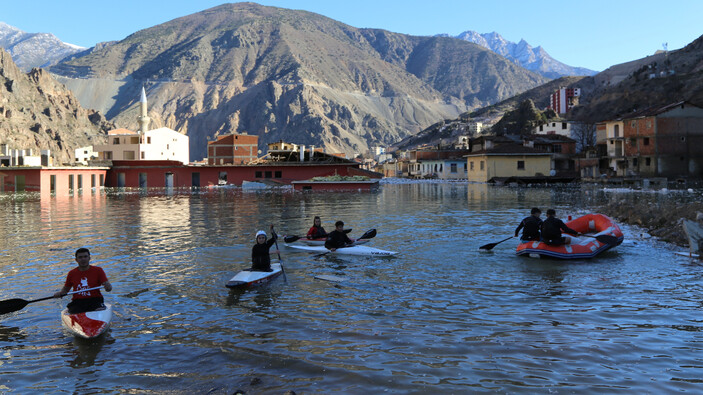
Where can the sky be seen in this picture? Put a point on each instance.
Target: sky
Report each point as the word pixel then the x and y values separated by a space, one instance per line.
pixel 594 34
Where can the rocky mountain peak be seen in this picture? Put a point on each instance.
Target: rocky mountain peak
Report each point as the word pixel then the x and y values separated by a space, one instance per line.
pixel 34 49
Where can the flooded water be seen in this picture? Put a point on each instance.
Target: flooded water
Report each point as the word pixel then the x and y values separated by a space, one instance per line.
pixel 441 317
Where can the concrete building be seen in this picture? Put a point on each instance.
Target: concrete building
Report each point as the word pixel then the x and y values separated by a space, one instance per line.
pixel 84 154
pixel 564 99
pixel 157 144
pixel 232 149
pixel 563 128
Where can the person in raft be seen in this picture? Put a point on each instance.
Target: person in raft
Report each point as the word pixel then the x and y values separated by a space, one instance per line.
pixel 531 226
pixel 260 258
pixel 337 238
pixel 83 277
pixel 552 228
pixel 316 231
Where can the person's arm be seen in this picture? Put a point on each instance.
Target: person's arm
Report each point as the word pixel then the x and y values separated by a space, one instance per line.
pixel 522 224
pixel 311 232
pixel 62 292
pixel 568 230
pixel 107 286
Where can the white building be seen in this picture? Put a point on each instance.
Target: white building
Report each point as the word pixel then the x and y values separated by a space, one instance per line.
pixel 157 144
pixel 475 128
pixel 84 154
pixel 563 128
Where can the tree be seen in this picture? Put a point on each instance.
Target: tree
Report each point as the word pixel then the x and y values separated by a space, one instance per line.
pixel 584 134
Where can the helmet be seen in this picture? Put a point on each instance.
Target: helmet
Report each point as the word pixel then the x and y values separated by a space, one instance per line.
pixel 259 233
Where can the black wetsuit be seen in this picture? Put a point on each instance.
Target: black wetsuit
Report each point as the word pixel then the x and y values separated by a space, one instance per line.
pixel 337 239
pixel 551 231
pixel 532 226
pixel 260 258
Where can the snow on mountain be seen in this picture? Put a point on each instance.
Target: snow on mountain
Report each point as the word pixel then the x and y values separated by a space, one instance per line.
pixel 30 50
pixel 522 53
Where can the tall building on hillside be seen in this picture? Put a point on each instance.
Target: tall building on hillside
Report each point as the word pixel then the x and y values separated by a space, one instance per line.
pixel 564 99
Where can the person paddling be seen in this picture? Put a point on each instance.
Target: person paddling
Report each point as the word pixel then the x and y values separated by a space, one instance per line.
pixel 552 228
pixel 83 277
pixel 337 238
pixel 260 258
pixel 316 231
pixel 532 225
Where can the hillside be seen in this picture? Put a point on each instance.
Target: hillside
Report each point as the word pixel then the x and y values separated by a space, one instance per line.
pixel 292 75
pixel 39 113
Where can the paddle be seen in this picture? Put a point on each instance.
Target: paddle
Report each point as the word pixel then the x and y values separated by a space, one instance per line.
pixel 490 246
pixel 369 234
pixel 275 240
pixel 291 239
pixel 11 305
pixel 605 239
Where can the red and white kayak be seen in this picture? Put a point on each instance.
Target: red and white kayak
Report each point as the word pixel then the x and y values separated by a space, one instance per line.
pixel 248 278
pixel 353 250
pixel 580 247
pixel 89 324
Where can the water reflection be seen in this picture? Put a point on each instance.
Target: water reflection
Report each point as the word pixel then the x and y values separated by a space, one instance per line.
pixel 82 353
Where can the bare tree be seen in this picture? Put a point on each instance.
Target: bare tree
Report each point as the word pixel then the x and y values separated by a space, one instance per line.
pixel 584 134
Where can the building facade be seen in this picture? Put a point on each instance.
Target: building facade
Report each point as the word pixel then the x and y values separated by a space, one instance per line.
pixel 157 144
pixel 564 99
pixel 232 149
pixel 507 161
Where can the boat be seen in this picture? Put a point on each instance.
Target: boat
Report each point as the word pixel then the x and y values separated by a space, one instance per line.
pixel 248 278
pixel 321 241
pixel 595 227
pixel 87 325
pixel 353 250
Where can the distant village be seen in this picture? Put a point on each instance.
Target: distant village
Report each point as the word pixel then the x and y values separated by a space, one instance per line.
pixel 654 144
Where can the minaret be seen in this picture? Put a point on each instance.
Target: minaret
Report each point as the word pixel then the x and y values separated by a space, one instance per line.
pixel 143 118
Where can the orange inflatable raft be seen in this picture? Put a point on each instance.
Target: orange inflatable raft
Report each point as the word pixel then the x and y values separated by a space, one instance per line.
pixel 581 247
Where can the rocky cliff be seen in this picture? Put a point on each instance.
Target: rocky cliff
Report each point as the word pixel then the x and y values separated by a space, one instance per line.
pixel 291 75
pixel 39 113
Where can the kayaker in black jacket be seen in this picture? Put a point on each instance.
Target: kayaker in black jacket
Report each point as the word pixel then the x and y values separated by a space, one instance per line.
pixel 337 238
pixel 260 258
pixel 552 228
pixel 532 224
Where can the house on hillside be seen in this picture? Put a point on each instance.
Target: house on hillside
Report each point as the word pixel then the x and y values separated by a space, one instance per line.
pixel 562 148
pixel 663 141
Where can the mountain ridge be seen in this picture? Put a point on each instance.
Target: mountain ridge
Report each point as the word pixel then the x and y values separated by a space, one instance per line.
pixel 31 50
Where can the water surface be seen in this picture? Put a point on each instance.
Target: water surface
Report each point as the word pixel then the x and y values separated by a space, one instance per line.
pixel 441 317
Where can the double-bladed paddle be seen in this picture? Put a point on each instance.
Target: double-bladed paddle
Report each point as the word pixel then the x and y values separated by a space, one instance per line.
pixel 11 305
pixel 490 246
pixel 605 239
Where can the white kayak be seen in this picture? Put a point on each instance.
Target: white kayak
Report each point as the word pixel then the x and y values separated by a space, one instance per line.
pixel 89 324
pixel 248 278
pixel 353 250
pixel 321 242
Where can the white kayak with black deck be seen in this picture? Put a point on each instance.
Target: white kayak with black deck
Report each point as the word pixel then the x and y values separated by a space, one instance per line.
pixel 249 278
pixel 89 324
pixel 353 250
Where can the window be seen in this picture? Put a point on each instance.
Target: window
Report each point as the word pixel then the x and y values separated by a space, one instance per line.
pixel 116 141
pixel 633 141
pixel 541 128
pixel 556 148
pixel 277 174
pixel 257 174
pixel 134 140
pixel 92 180
pixel 634 162
pixel 143 155
pixel 521 165
pixel 464 167
pixel 129 155
pixel 616 131
pixel 70 182
pixel 267 174
pixel 645 141
pixel 148 140
pixel 481 165
pixel 52 183
pixel 647 161
pixel 471 165
pixel 563 125
pixel 107 155
pixel 452 168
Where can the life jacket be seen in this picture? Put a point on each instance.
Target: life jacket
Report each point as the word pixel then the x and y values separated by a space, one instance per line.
pixel 531 228
pixel 551 229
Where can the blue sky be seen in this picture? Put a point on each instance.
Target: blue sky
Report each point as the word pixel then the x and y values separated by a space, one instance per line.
pixel 594 34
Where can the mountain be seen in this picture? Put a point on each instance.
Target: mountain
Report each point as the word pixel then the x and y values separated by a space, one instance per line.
pixel 522 53
pixel 39 113
pixel 291 75
pixel 30 50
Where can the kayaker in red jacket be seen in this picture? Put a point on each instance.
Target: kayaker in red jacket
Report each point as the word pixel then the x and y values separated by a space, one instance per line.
pixel 316 231
pixel 552 228
pixel 83 277
pixel 337 238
